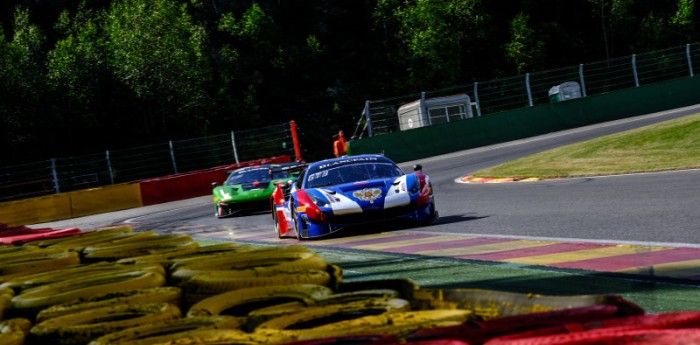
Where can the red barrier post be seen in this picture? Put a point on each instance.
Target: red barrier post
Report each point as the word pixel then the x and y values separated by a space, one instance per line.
pixel 295 137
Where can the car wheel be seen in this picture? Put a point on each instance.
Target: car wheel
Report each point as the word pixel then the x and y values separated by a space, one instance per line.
pixel 277 223
pixel 220 212
pixel 434 215
pixel 295 218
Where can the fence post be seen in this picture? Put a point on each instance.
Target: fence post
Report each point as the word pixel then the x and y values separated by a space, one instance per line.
pixel 369 119
pixel 476 99
pixel 295 138
pixel 690 59
pixel 54 174
pixel 634 70
pixel 233 143
pixel 583 81
pixel 172 156
pixel 109 167
pixel 423 109
pixel 527 87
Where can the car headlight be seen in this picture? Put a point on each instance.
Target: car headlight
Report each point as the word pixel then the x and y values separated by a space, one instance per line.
pixel 319 201
pixel 225 196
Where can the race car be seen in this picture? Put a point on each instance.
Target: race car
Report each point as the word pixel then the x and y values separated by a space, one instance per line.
pixel 343 192
pixel 250 188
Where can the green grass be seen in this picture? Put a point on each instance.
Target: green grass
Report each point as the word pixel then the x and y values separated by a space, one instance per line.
pixel 670 145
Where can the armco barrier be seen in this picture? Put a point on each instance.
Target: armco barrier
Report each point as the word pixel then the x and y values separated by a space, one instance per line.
pixel 190 185
pixel 527 122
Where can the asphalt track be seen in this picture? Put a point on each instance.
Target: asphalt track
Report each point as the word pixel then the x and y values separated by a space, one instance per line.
pixel 631 235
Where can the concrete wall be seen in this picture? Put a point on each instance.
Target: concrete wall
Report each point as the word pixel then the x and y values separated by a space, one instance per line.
pixel 118 197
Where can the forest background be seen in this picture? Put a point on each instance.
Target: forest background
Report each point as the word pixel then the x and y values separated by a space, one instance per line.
pixel 83 76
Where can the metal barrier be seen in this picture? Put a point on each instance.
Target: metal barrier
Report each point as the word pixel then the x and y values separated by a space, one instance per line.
pixel 381 116
pixel 118 166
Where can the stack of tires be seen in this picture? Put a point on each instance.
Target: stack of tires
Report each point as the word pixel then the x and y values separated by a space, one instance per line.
pixel 117 286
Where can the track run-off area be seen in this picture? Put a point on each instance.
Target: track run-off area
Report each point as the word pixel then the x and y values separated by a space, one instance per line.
pixel 634 235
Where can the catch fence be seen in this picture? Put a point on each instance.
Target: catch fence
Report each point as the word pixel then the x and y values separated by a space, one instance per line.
pixel 531 89
pixel 67 174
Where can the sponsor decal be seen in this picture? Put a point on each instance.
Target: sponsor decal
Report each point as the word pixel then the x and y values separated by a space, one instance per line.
pixel 346 161
pixel 301 209
pixel 368 194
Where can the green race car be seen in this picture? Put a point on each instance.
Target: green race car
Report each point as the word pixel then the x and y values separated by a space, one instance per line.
pixel 250 188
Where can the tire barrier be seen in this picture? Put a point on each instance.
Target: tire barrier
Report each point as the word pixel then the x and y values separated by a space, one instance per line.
pixel 24 281
pixel 14 331
pixel 307 294
pixel 166 294
pixel 35 299
pixel 139 288
pixel 148 245
pixel 84 326
pixel 171 329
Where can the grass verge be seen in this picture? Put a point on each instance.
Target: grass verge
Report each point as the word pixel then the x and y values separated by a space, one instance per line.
pixel 670 145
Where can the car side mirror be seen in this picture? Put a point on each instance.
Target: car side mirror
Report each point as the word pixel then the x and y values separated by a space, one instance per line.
pixel 418 167
pixel 214 184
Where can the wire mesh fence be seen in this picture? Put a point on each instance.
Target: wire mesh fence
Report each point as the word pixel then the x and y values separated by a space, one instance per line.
pixel 67 174
pixel 488 97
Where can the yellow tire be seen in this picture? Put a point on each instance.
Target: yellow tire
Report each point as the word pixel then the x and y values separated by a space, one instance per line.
pixel 41 264
pixel 144 246
pixel 399 324
pixel 27 281
pixel 165 294
pixel 82 327
pixel 251 265
pixel 12 249
pixel 34 299
pixel 237 255
pixel 260 315
pixel 156 331
pixel 24 255
pixel 212 337
pixel 320 315
pixel 79 241
pixel 14 331
pixel 169 258
pixel 218 283
pixel 258 296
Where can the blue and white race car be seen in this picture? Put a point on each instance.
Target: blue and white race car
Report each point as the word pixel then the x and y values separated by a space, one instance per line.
pixel 337 193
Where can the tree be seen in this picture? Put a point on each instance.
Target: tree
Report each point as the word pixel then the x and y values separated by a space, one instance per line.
pixel 78 74
pixel 524 50
pixel 160 55
pixel 22 88
pixel 438 37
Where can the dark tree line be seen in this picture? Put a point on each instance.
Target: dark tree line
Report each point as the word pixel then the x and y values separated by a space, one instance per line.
pixel 79 77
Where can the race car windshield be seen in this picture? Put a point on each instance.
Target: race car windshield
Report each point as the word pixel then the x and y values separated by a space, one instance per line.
pixel 248 176
pixel 352 173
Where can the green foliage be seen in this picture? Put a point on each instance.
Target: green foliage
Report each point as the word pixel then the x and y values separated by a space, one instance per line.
pixel 76 74
pixel 524 50
pixel 159 54
pixel 21 85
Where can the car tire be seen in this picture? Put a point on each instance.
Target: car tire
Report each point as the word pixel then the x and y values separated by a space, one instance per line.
pixel 277 223
pixel 295 219
pixel 220 212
